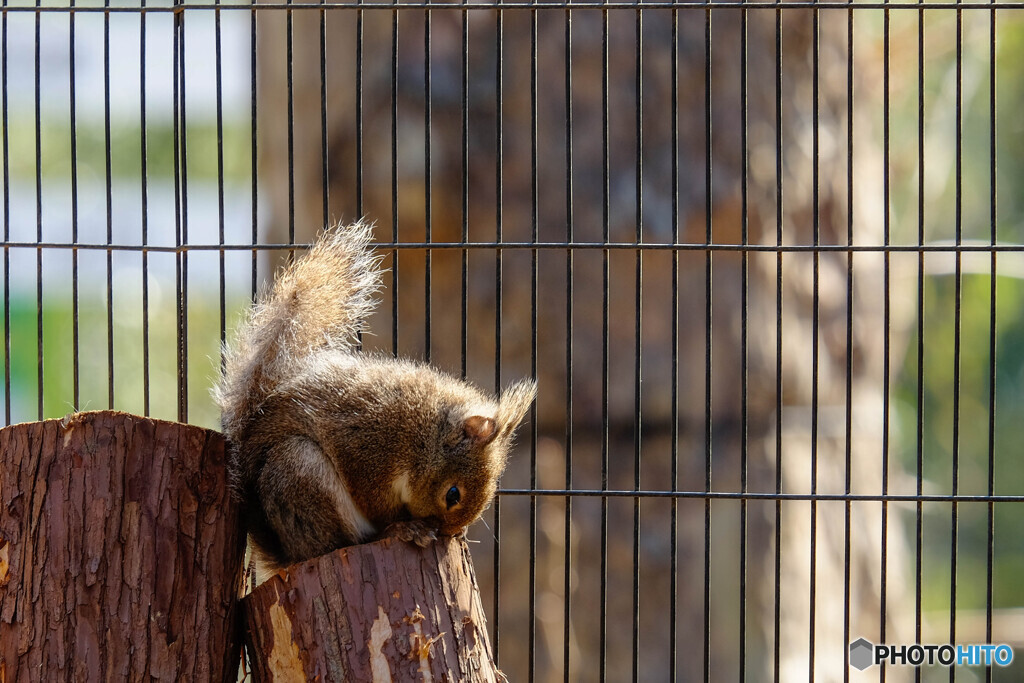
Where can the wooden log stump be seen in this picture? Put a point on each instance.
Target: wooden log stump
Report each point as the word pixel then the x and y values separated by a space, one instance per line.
pixel 120 552
pixel 383 611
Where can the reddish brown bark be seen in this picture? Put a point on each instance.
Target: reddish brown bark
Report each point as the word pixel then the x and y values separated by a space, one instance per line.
pixel 381 611
pixel 120 552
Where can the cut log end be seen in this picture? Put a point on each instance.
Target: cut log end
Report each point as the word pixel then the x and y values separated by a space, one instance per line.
pixel 383 611
pixel 120 551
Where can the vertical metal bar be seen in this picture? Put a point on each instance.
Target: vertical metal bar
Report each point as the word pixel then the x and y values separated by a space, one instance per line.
pixel 108 179
pixel 394 182
pixel 144 217
pixel 6 215
pixel 253 194
pixel 993 223
pixel 777 616
pixel 534 219
pixel 848 398
pixel 72 118
pixel 674 512
pixel 290 81
pixel 359 119
pixel 815 326
pixel 886 317
pixel 39 217
pixel 427 203
pixel 569 292
pixel 605 331
pixel 181 212
pixel 638 366
pixel 957 336
pixel 218 74
pixel 253 151
pixel 325 161
pixel 498 185
pixel 919 436
pixel 358 124
pixel 708 274
pixel 744 302
pixel 176 48
pixel 464 107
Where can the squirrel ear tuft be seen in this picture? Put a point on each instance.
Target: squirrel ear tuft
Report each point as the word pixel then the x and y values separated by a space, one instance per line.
pixel 514 403
pixel 479 429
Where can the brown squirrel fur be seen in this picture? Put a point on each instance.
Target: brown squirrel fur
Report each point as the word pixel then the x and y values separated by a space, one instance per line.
pixel 331 446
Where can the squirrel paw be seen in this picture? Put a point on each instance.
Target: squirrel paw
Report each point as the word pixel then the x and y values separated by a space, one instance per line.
pixel 412 531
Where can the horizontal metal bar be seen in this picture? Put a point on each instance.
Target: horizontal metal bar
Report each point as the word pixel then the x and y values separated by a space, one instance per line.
pixel 500 5
pixel 750 496
pixel 942 248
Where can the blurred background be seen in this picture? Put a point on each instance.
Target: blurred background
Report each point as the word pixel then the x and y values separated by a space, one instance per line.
pixel 145 153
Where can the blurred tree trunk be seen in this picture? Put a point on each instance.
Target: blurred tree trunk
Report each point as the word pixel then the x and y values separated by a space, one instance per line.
pixel 775 141
pixel 120 552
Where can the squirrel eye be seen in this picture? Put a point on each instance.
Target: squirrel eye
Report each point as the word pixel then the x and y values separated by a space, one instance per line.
pixel 453 497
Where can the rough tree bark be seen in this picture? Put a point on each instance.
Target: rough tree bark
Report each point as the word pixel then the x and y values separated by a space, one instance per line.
pixel 120 552
pixel 381 611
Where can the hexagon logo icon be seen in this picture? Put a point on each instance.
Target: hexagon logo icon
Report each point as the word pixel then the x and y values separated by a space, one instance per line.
pixel 861 654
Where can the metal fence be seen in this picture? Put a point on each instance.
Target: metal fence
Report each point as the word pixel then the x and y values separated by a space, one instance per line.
pixel 764 260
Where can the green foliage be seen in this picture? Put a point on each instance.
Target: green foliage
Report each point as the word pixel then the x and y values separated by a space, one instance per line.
pixel 126 155
pixel 955 374
pixel 131 370
pixel 965 406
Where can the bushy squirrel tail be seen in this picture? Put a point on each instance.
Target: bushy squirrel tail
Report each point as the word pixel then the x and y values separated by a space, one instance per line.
pixel 319 301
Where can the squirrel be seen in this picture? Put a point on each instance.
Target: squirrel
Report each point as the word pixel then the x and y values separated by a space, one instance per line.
pixel 331 446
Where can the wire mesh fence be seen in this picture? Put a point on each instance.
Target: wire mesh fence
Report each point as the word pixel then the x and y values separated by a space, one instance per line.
pixel 764 260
